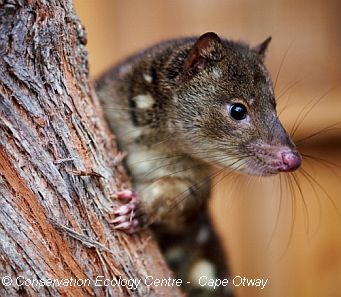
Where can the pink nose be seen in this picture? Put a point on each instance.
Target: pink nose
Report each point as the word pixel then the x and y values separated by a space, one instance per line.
pixel 291 160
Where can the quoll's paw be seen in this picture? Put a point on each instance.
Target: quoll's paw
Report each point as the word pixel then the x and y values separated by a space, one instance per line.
pixel 127 215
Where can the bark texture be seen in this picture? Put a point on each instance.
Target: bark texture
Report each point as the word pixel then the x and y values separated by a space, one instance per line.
pixel 59 165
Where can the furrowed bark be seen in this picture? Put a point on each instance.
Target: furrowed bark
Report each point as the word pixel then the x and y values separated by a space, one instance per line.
pixel 59 165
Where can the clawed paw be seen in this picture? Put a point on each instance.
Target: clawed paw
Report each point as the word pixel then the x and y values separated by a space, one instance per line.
pixel 126 215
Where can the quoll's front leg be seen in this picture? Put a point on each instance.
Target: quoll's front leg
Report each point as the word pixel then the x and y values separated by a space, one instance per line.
pixel 129 217
pixel 167 201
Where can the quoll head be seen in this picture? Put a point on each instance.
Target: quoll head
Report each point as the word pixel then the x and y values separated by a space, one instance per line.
pixel 226 110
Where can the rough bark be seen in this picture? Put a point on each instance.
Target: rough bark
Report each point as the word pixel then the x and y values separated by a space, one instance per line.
pixel 59 165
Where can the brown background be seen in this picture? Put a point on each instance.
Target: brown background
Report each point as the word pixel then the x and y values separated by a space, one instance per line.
pixel 269 231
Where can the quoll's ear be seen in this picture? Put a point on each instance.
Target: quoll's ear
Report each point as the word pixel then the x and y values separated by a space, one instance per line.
pixel 207 48
pixel 261 48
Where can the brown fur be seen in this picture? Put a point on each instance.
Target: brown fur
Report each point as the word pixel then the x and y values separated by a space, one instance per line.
pixel 168 106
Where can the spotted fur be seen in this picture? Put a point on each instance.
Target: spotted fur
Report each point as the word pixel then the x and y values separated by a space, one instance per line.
pixel 168 106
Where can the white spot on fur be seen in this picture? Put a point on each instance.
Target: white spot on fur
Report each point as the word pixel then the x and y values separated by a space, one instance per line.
pixel 156 191
pixel 144 101
pixel 147 164
pixel 216 73
pixel 200 268
pixel 133 133
pixel 138 161
pixel 147 78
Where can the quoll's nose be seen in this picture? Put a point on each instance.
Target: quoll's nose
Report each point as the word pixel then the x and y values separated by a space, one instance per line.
pixel 291 160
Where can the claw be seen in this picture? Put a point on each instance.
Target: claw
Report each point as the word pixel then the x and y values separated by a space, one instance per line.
pixel 124 209
pixel 129 227
pixel 125 194
pixel 123 225
pixel 121 219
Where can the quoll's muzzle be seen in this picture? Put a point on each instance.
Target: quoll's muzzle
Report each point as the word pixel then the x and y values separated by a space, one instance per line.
pixel 290 160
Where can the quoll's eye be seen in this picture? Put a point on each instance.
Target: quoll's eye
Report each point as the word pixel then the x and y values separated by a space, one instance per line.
pixel 238 111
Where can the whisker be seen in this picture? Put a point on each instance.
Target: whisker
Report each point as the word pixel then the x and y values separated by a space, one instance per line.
pixel 303 200
pixel 213 161
pixel 188 168
pixel 310 105
pixel 286 89
pixel 231 171
pixel 323 130
pixel 278 212
pixel 292 195
pixel 330 165
pixel 282 63
pixel 316 194
pixel 322 189
pixel 200 183
pixel 162 156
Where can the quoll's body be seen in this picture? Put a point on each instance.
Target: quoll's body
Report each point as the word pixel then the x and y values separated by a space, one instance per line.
pixel 183 106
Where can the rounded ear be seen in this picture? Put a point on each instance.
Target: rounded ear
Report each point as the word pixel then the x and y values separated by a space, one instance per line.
pixel 261 48
pixel 206 48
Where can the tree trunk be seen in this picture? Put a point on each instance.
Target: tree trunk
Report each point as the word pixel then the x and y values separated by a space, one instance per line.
pixel 60 168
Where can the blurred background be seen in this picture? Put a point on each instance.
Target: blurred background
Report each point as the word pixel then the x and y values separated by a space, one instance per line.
pixel 270 227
